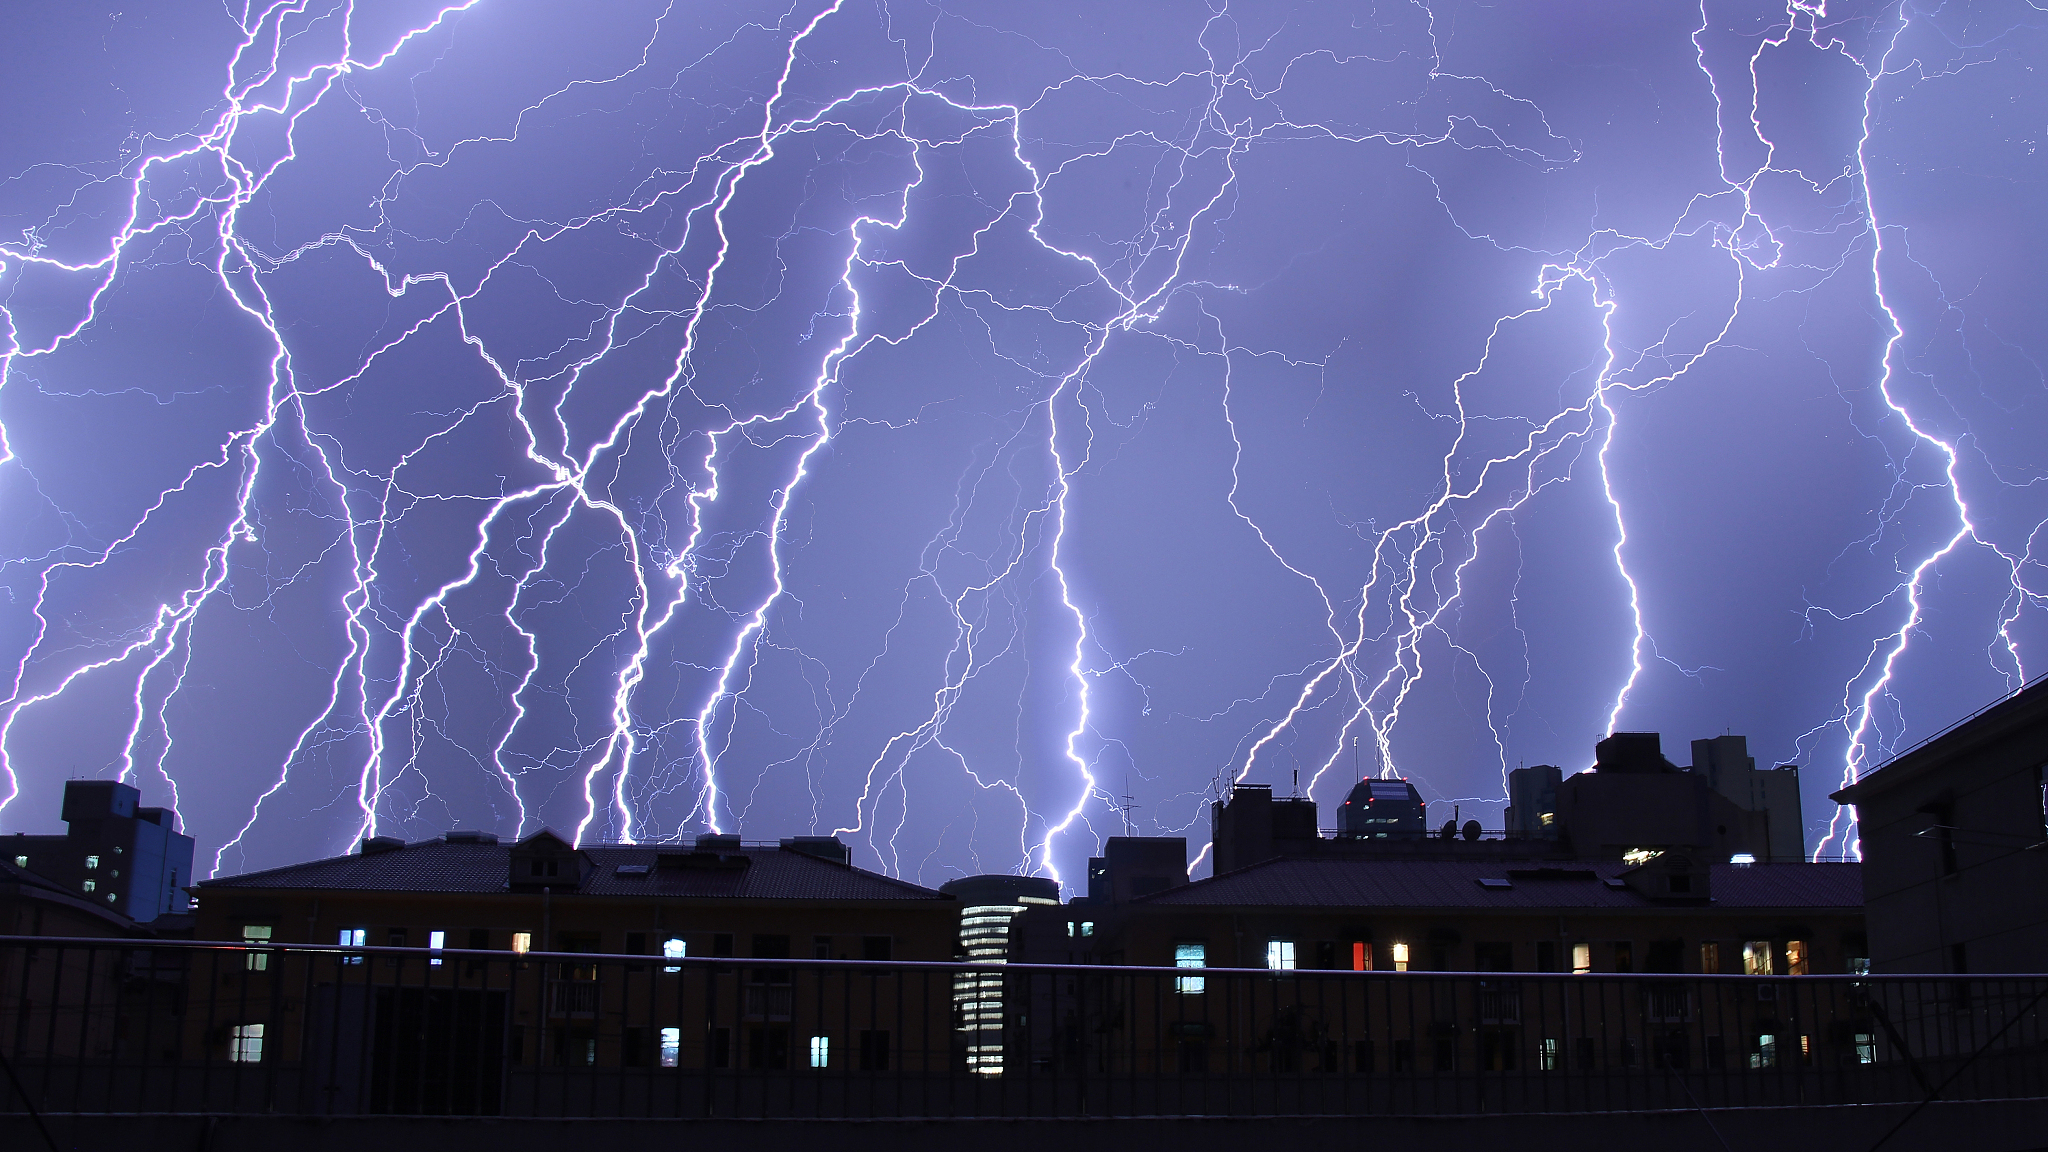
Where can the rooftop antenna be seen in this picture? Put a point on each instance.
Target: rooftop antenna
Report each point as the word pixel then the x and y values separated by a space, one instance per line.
pixel 1354 756
pixel 1128 804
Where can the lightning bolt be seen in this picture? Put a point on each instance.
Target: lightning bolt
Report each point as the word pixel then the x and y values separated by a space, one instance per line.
pixel 603 620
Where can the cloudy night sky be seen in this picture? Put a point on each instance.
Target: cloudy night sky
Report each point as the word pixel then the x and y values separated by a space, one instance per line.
pixel 976 428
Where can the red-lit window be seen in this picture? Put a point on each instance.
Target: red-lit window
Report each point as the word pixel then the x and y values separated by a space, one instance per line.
pixel 1361 956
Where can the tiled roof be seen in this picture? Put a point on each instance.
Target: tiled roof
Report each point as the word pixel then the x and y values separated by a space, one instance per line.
pixel 438 866
pixel 1455 884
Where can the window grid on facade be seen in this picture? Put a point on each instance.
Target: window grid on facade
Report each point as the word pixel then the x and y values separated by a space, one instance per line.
pixel 978 996
pixel 353 938
pixel 821 1051
pixel 1190 954
pixel 245 1044
pixel 256 961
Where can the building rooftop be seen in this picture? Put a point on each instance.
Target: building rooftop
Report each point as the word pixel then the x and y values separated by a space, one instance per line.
pixel 768 873
pixel 1546 884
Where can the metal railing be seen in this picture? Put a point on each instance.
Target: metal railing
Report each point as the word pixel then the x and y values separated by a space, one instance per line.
pixel 100 1026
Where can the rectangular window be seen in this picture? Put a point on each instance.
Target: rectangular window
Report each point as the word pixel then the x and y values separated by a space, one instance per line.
pixel 1765 1054
pixel 1546 1054
pixel 91 862
pixel 1795 957
pixel 256 961
pixel 874 1051
pixel 1087 927
pixel 1190 954
pixel 821 947
pixel 522 942
pixel 876 947
pixel 671 1047
pixel 821 1051
pixel 1859 965
pixel 353 938
pixel 1756 958
pixel 245 1044
pixel 1546 955
pixel 1361 956
pixel 1280 955
pixel 1710 956
pixel 1866 1048
pixel 1582 958
pixel 674 948
pixel 1624 956
pixel 1400 957
pixel 1326 954
pixel 90 885
pixel 436 940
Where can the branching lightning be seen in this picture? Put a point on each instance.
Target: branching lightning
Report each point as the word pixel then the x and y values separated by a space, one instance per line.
pixel 769 452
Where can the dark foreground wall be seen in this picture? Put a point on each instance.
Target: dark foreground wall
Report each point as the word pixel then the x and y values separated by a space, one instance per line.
pixel 1996 1126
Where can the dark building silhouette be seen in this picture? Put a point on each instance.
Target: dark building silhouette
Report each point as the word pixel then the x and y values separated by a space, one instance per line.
pixel 1774 792
pixel 716 898
pixel 1634 801
pixel 1955 845
pixel 1532 802
pixel 1383 810
pixel 1132 866
pixel 132 860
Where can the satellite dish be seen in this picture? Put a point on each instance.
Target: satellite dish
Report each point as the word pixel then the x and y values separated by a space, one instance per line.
pixel 1450 830
pixel 1471 829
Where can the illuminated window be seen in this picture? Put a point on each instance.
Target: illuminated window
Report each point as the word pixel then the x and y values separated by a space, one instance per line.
pixel 1361 956
pixel 436 940
pixel 110 897
pixel 1866 1048
pixel 674 948
pixel 1546 1054
pixel 1765 1054
pixel 353 938
pixel 1795 957
pixel 1582 958
pixel 1710 956
pixel 89 885
pixel 671 1047
pixel 1190 954
pixel 821 1051
pixel 522 942
pixel 91 862
pixel 1859 965
pixel 21 861
pixel 257 961
pixel 1756 958
pixel 1400 957
pixel 1742 859
pixel 1635 856
pixel 245 1043
pixel 1280 955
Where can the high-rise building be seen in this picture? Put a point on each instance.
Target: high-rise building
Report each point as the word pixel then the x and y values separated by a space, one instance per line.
pixel 989 912
pixel 131 859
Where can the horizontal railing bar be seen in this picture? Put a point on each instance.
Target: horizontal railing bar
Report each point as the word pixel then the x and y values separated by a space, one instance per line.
pixel 239 946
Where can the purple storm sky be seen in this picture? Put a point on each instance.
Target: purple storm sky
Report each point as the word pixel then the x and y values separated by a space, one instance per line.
pixel 971 427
